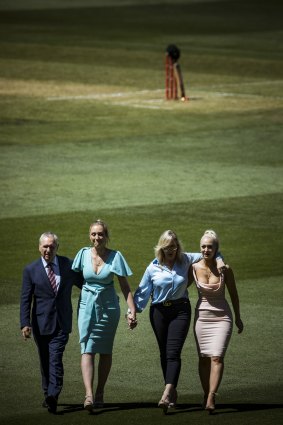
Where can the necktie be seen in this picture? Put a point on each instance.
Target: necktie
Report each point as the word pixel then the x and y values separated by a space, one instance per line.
pixel 52 278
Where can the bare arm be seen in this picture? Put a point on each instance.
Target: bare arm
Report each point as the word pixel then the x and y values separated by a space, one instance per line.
pixel 190 276
pixel 126 290
pixel 220 263
pixel 232 288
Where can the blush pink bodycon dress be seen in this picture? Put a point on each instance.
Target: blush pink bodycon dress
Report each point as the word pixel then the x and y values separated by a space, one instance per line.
pixel 213 319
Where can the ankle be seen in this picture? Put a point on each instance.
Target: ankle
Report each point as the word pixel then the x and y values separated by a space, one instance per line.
pixel 165 395
pixel 99 396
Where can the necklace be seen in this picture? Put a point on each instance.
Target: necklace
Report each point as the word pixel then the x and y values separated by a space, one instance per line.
pixel 208 272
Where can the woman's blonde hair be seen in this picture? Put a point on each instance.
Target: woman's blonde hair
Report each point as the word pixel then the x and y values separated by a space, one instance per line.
pixel 213 235
pixel 164 241
pixel 105 228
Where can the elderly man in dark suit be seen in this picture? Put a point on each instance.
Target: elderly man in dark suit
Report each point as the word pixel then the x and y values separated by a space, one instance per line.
pixel 46 311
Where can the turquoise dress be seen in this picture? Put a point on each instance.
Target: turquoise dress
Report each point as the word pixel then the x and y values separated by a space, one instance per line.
pixel 98 309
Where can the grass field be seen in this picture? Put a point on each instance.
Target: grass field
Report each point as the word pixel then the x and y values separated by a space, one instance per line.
pixel 86 132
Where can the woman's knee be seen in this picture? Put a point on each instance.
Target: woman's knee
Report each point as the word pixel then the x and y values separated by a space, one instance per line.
pixel 217 360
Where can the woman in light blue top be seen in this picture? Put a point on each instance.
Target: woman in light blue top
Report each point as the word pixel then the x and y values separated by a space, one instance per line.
pixel 165 281
pixel 98 310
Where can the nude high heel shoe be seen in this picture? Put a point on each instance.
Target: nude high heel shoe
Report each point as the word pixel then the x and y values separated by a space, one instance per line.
pixel 173 399
pixel 164 402
pixel 204 401
pixel 88 403
pixel 210 405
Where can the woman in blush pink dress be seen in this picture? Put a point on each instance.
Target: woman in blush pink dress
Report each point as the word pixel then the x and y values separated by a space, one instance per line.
pixel 213 318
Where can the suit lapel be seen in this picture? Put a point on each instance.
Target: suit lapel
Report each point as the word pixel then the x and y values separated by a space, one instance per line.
pixel 61 271
pixel 46 278
pixel 43 275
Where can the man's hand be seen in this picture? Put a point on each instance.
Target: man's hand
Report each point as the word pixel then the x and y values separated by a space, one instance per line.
pixel 26 332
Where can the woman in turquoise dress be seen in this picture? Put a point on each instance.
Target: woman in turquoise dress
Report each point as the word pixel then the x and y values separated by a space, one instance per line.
pixel 99 310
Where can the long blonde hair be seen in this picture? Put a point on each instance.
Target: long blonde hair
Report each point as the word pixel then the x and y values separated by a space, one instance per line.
pixel 165 239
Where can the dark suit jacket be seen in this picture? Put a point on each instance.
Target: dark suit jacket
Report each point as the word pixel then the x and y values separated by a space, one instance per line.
pixel 48 309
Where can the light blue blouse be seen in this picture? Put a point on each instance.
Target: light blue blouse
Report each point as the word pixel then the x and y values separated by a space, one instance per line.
pixel 163 284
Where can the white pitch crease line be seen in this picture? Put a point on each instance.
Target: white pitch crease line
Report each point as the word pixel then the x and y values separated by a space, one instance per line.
pixel 138 96
pixel 143 105
pixel 244 95
pixel 103 95
pixel 253 83
pixel 135 105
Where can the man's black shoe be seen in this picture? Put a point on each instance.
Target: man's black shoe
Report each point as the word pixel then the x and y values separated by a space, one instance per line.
pixel 51 402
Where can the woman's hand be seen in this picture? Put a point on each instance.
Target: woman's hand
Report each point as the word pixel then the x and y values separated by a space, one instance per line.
pixel 132 321
pixel 222 268
pixel 239 325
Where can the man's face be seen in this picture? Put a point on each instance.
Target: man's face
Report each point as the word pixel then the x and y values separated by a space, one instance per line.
pixel 48 249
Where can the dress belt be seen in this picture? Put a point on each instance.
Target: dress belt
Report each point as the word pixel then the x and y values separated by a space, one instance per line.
pixel 169 303
pixel 93 312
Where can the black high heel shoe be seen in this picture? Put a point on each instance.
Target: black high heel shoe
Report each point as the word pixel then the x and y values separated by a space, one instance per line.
pixel 98 401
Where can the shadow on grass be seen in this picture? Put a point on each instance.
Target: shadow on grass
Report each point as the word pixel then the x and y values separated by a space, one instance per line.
pixel 108 407
pixel 222 409
pixel 181 408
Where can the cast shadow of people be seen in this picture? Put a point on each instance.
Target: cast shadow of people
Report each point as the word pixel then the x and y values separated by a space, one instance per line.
pixel 221 409
pixel 227 408
pixel 108 407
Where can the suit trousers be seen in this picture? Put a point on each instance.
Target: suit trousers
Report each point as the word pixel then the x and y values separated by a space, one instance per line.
pixel 171 325
pixel 50 350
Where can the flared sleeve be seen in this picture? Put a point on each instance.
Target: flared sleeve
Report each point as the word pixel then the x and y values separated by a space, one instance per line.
pixel 78 262
pixel 119 265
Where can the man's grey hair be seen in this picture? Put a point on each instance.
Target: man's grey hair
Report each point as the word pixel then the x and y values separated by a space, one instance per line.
pixel 49 235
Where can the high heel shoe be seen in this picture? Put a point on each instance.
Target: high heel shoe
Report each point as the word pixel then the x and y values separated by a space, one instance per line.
pixel 164 402
pixel 210 406
pixel 173 399
pixel 204 401
pixel 98 401
pixel 88 403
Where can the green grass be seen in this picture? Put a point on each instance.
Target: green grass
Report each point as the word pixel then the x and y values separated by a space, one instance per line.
pixel 85 132
pixel 244 228
pixel 249 388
